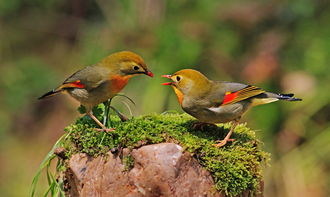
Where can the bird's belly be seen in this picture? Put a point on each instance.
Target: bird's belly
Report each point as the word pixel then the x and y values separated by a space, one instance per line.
pixel 80 95
pixel 93 97
pixel 220 114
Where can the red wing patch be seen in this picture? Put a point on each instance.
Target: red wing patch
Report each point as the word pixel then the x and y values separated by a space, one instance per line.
pixel 229 97
pixel 75 84
pixel 245 93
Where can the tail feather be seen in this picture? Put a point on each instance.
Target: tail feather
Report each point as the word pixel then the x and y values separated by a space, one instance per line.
pixel 269 97
pixel 288 97
pixel 50 93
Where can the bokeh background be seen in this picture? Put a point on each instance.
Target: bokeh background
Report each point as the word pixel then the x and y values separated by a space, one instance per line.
pixel 282 46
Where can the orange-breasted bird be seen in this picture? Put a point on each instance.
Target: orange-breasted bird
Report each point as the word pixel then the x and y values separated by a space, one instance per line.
pixel 218 101
pixel 99 82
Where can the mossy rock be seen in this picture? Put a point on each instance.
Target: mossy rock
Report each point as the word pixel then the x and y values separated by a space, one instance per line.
pixel 236 167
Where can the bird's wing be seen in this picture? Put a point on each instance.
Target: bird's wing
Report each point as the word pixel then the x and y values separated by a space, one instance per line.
pixel 235 92
pixel 232 95
pixel 88 78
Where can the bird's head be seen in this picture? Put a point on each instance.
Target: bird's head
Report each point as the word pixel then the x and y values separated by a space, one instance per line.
pixel 126 63
pixel 188 82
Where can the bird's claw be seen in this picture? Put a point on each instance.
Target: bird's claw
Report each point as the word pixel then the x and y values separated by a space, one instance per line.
pixel 221 143
pixel 107 130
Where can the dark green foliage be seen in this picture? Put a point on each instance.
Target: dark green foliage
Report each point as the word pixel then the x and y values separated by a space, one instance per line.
pixel 235 167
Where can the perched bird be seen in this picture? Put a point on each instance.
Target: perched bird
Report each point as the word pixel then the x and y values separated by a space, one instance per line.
pixel 98 83
pixel 218 101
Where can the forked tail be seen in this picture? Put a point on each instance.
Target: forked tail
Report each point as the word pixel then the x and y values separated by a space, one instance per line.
pixel 50 93
pixel 269 97
pixel 64 86
pixel 288 97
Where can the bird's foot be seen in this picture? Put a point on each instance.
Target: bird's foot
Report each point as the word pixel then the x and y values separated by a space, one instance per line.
pixel 107 130
pixel 202 125
pixel 223 142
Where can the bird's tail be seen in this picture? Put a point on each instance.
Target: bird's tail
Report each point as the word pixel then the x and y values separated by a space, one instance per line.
pixel 50 93
pixel 269 97
pixel 288 97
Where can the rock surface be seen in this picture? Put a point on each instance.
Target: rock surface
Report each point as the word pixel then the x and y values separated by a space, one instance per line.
pixel 159 170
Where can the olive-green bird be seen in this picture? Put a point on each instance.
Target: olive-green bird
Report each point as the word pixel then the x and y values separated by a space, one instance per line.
pixel 98 83
pixel 218 101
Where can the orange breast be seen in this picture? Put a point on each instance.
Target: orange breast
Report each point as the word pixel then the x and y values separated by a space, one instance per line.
pixel 118 83
pixel 178 94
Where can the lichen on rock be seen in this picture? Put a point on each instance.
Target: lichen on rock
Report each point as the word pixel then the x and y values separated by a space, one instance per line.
pixel 235 168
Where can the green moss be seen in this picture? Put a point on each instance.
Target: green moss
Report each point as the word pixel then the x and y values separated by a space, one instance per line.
pixel 235 167
pixel 128 162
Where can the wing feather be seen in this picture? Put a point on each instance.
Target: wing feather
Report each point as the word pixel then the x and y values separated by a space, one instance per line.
pixel 91 77
pixel 242 94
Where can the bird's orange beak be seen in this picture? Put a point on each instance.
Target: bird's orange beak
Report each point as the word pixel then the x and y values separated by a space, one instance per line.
pixel 168 77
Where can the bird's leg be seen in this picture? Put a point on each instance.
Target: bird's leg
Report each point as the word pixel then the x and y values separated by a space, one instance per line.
pixel 106 112
pixel 104 128
pixel 227 138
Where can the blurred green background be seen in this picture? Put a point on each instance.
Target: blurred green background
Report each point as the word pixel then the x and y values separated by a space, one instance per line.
pixel 282 46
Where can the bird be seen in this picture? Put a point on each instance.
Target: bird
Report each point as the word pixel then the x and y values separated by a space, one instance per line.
pixel 212 102
pixel 100 82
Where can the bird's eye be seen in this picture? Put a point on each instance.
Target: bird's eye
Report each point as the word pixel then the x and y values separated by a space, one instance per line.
pixel 136 68
pixel 178 78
